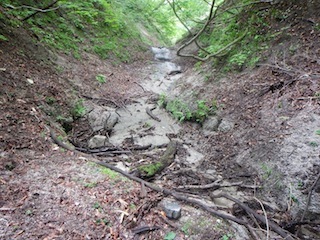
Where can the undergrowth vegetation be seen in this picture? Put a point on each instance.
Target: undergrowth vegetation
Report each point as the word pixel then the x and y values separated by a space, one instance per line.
pixel 182 112
pixel 111 28
pixel 107 28
pixel 243 19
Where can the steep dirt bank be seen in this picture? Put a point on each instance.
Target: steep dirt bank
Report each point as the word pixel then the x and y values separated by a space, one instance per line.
pixel 272 114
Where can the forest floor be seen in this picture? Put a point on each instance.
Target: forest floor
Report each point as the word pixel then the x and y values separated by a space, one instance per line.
pixel 50 193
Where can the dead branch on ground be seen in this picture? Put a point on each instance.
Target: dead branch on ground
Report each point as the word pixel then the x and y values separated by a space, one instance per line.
pixel 149 112
pixel 275 227
pixel 112 149
pixel 214 185
pixel 151 169
pixel 313 186
pixel 265 216
pixel 173 194
pixel 103 100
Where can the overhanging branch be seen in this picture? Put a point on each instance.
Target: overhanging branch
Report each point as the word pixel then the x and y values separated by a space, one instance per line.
pixel 212 15
pixel 37 10
pixel 173 6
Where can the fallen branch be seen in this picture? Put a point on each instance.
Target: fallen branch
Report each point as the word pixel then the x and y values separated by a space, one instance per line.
pixel 112 153
pixel 151 169
pixel 180 197
pixel 144 229
pixel 309 197
pixel 174 72
pixel 46 9
pixel 112 149
pixel 149 112
pixel 140 86
pixel 103 100
pixel 173 194
pixel 265 216
pixel 195 172
pixel 155 187
pixel 37 10
pixel 214 185
pixel 60 143
pixel 276 228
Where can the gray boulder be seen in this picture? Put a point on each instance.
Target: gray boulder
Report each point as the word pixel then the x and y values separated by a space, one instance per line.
pixel 98 141
pixel 172 210
pixel 225 126
pixel 161 53
pixel 211 123
pixel 100 119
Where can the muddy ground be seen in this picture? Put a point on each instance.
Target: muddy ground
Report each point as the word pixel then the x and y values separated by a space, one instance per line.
pixel 270 149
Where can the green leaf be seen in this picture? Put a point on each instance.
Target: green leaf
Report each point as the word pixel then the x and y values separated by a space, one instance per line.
pixel 101 78
pixel 170 236
pixel 318 132
pixel 3 38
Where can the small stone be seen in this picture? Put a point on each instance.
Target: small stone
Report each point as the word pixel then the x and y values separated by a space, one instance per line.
pixel 3 69
pixel 100 119
pixel 30 81
pixel 97 141
pixel 122 166
pixel 225 126
pixel 172 210
pixel 211 123
pixel 111 121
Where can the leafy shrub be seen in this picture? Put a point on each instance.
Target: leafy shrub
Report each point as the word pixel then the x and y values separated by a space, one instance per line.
pixel 3 38
pixel 162 102
pixel 182 112
pixel 179 110
pixel 202 112
pixel 78 109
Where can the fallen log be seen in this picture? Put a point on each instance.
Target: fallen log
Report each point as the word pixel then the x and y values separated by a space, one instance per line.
pixel 275 227
pixel 151 169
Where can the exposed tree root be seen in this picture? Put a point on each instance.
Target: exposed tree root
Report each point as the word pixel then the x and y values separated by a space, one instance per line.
pixel 114 150
pixel 272 225
pixel 276 228
pixel 149 112
pixel 214 185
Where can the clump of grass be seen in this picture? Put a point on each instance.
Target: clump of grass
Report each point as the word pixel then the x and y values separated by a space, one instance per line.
pixel 78 110
pixel 181 111
pixel 101 78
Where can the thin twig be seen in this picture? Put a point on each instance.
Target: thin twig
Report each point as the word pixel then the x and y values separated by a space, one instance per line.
pixel 272 224
pixel 251 230
pixel 140 86
pixel 149 112
pixel 265 216
pixel 309 197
